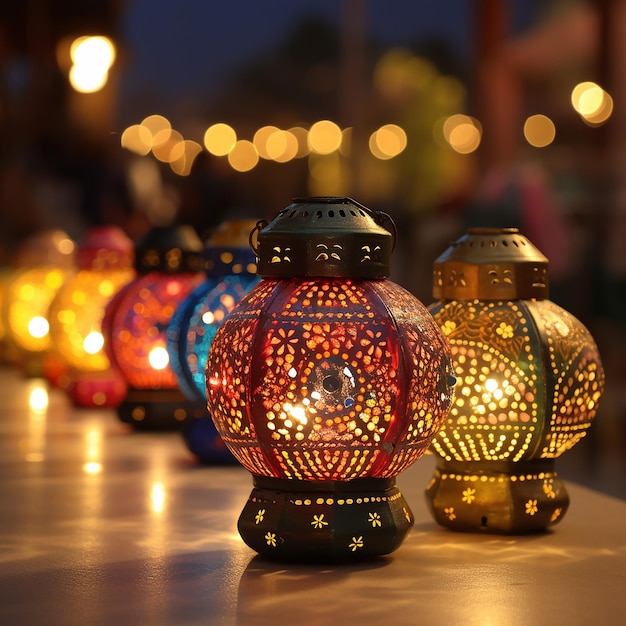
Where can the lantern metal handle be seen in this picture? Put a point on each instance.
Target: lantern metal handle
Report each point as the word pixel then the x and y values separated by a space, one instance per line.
pixel 260 225
pixel 380 217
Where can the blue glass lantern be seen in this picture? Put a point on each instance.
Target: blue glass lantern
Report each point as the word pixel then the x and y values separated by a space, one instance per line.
pixel 231 272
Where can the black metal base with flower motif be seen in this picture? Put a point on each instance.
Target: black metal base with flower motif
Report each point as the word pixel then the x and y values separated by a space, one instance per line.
pixel 324 521
pixel 506 498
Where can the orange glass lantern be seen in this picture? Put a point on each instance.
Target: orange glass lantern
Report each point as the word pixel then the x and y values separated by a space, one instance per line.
pixel 168 263
pixel 529 381
pixel 44 262
pixel 326 381
pixel 104 265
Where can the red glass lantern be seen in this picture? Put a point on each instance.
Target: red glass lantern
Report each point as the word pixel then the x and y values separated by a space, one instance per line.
pixel 104 265
pixel 168 263
pixel 529 382
pixel 325 382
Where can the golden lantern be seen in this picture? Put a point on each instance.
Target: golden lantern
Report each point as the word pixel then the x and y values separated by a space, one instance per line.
pixel 43 263
pixel 529 379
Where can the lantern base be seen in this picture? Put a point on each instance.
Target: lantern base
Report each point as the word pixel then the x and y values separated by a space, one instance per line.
pixel 499 498
pixel 95 389
pixel 325 521
pixel 154 409
pixel 203 440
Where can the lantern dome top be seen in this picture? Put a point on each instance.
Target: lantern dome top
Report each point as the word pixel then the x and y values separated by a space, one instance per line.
pixel 491 264
pixel 169 249
pixel 227 249
pixel 105 247
pixel 325 236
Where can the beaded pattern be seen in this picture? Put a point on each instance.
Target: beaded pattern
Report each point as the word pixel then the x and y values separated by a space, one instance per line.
pixel 507 356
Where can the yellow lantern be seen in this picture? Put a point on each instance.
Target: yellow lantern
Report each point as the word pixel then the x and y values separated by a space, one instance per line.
pixel 105 265
pixel 529 379
pixel 45 261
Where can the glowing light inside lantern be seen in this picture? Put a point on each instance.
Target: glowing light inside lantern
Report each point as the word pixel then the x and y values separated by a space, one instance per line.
pixel 38 327
pixel 93 342
pixel 158 358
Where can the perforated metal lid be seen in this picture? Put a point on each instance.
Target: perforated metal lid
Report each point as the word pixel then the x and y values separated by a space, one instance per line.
pixel 325 236
pixel 491 264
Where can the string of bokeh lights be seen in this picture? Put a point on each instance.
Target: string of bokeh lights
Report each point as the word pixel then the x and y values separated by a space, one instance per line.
pixel 462 133
pixel 88 60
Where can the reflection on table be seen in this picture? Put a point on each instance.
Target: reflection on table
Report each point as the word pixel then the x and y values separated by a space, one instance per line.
pixel 101 525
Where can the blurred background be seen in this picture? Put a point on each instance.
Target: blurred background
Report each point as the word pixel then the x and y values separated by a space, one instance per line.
pixel 444 114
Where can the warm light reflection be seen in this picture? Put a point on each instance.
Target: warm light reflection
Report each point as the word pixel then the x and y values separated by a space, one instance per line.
pixel 539 131
pixel 462 132
pixel 137 139
pixel 592 102
pixel 93 451
pixel 157 497
pixel 387 142
pixel 580 102
pixel 92 467
pixel 282 146
pixel 244 156
pixel 183 156
pixel 324 137
pixel 164 145
pixel 260 140
pixel 35 443
pixel 38 399
pixel 93 446
pixel 156 123
pixel 98 51
pixel 602 112
pixel 301 134
pixel 220 139
pixel 158 358
pixel 92 58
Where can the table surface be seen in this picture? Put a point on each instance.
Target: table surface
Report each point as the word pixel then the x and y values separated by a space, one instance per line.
pixel 100 525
